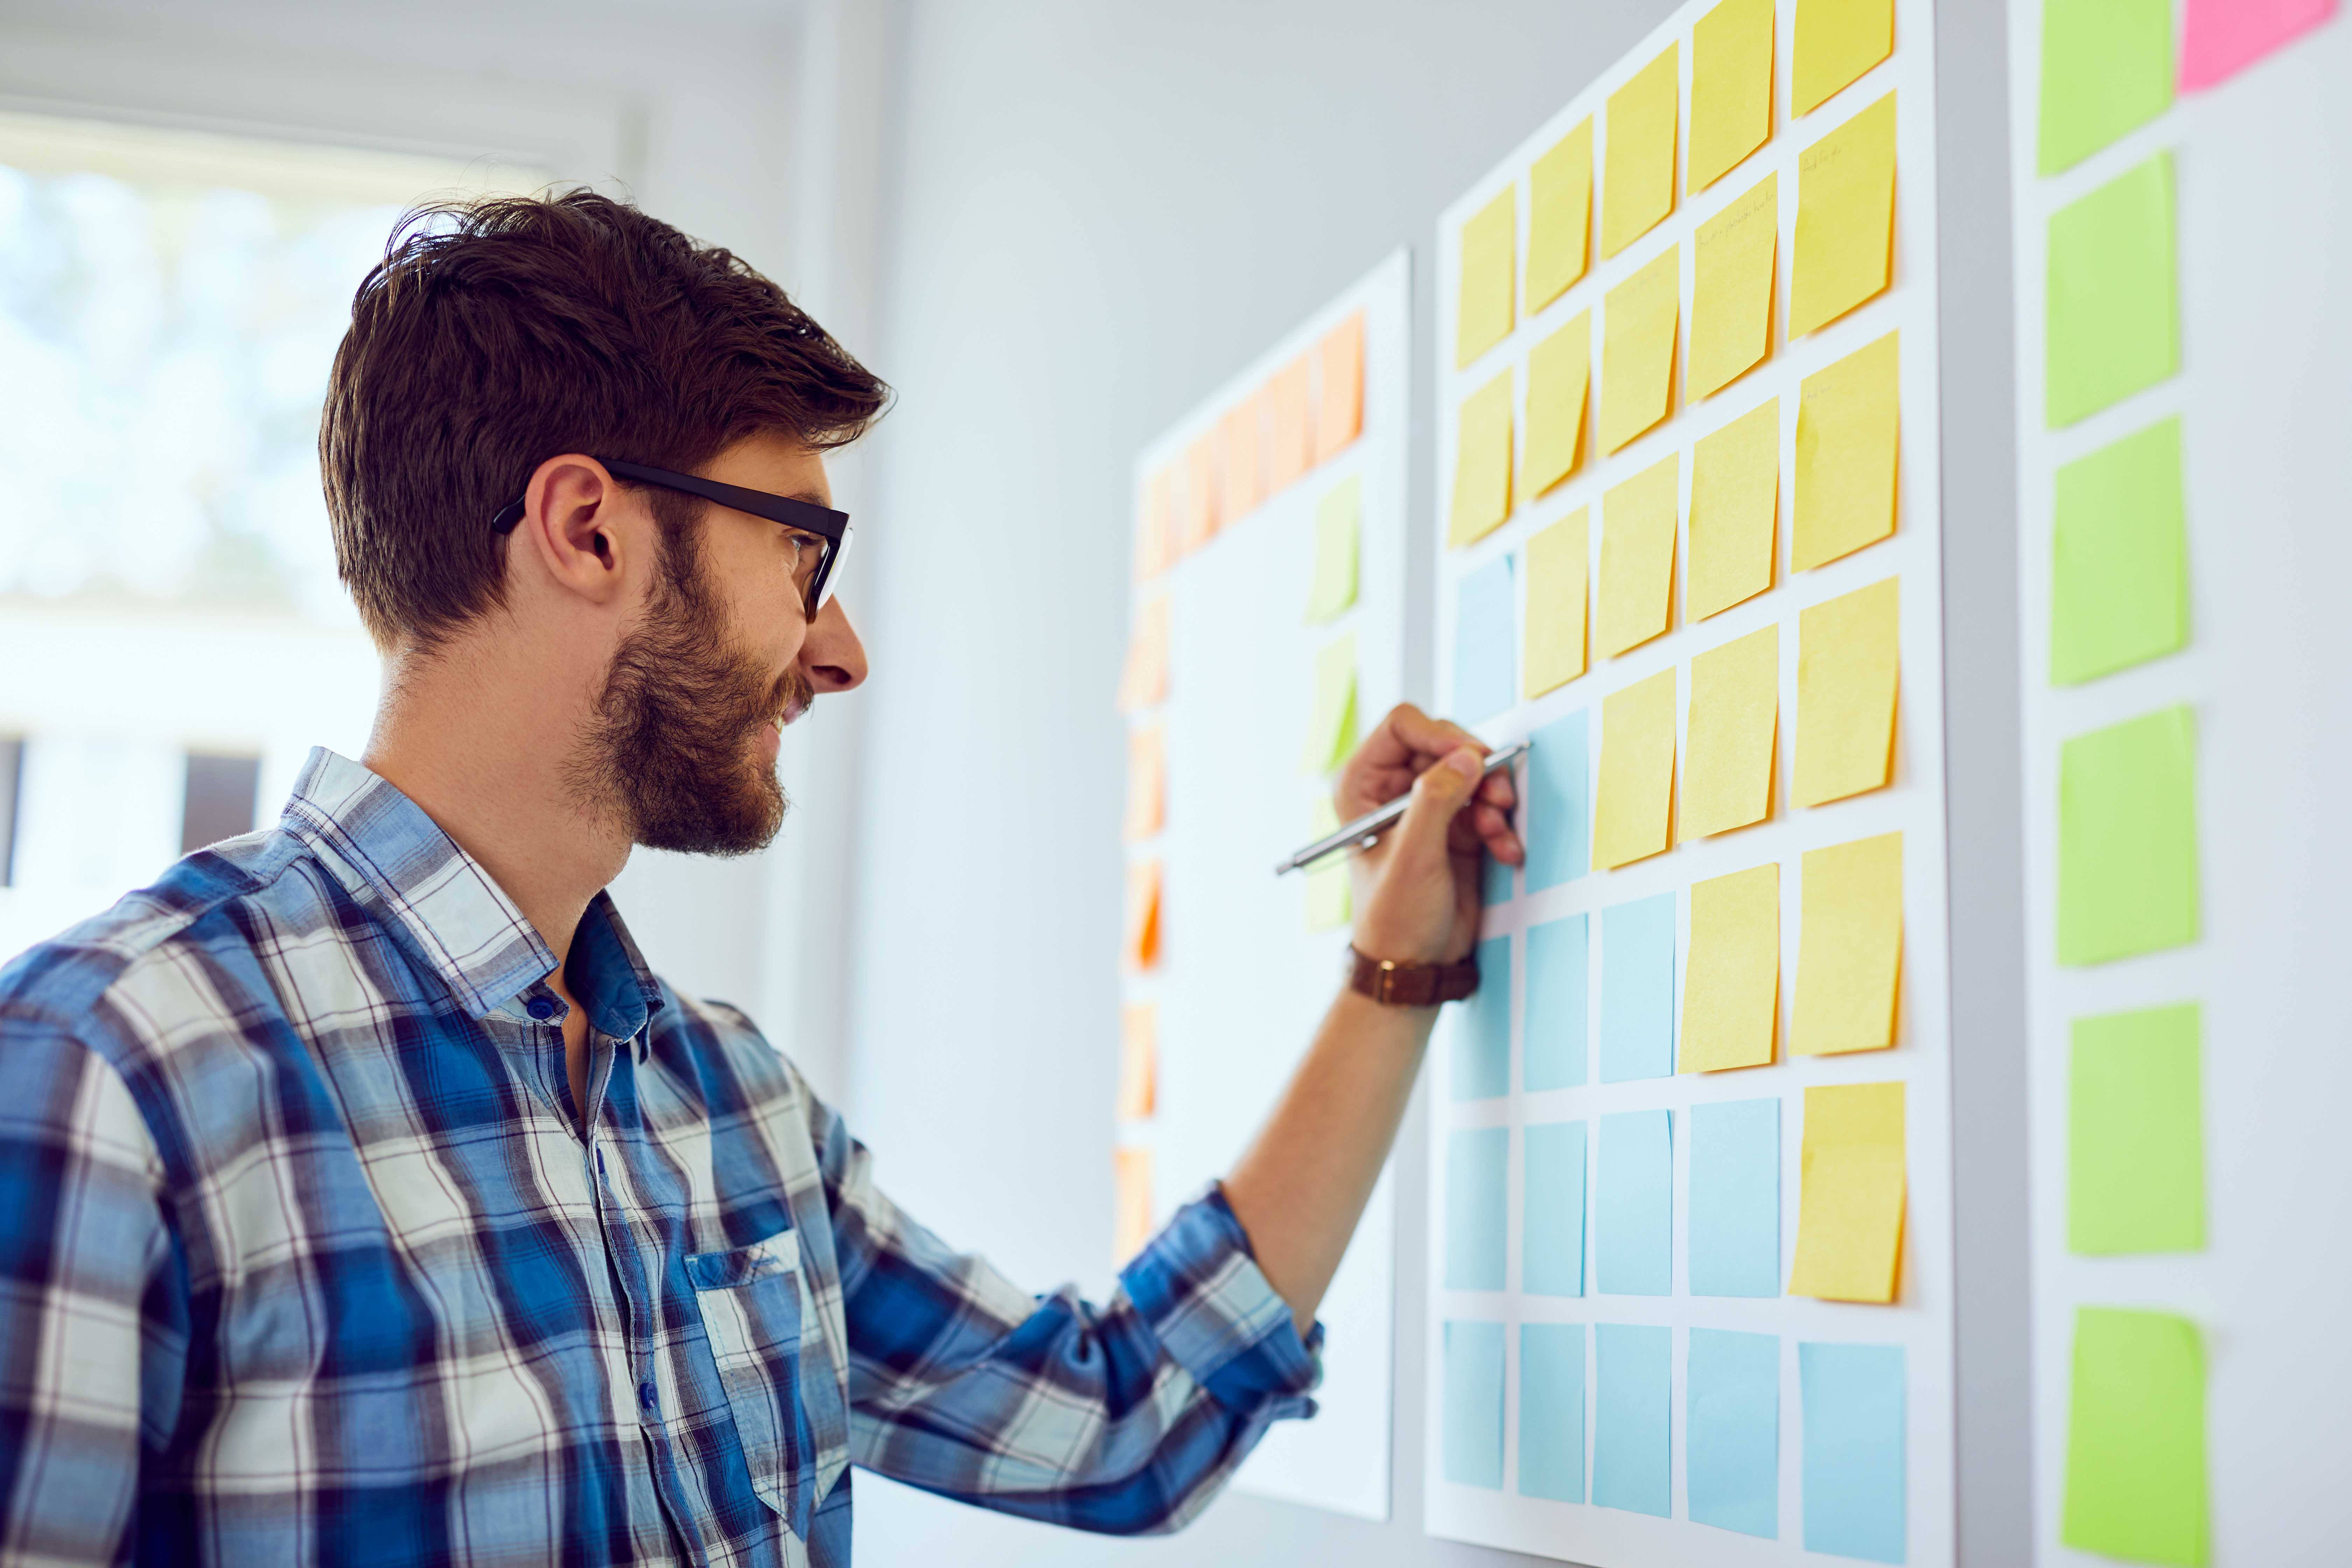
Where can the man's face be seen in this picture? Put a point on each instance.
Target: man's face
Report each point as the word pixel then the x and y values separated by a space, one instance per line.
pixel 686 732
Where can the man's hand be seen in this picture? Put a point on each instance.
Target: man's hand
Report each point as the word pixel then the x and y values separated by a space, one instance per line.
pixel 1416 893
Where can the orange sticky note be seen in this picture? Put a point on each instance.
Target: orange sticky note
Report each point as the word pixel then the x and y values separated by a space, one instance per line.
pixel 1849 428
pixel 1849 948
pixel 1639 324
pixel 1837 40
pixel 1635 812
pixel 1637 184
pixel 1560 217
pixel 1339 393
pixel 1144 680
pixel 1845 219
pixel 1289 425
pixel 1850 1218
pixel 1559 371
pixel 1732 258
pixel 1848 672
pixel 1141 946
pixel 1155 534
pixel 1243 429
pixel 1146 783
pixel 1130 1202
pixel 1139 1062
pixel 1198 507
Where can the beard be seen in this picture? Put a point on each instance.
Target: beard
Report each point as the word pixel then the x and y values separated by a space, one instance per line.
pixel 676 751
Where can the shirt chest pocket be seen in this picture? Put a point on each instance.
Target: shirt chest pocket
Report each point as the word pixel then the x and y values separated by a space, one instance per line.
pixel 776 1365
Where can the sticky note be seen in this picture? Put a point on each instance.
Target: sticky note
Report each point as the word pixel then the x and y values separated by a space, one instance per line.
pixel 1637 989
pixel 2219 38
pixel 1143 680
pixel 1146 783
pixel 1557 817
pixel 1472 1444
pixel 1197 510
pixel 1848 672
pixel 1141 945
pixel 1559 371
pixel 1845 219
pixel 1731 985
pixel 1553 1242
pixel 1733 1386
pixel 1637 773
pixel 1559 216
pixel 1289 425
pixel 1637 557
pixel 1837 40
pixel 2119 558
pixel 1329 902
pixel 1477 1176
pixel 1130 1202
pixel 1139 1062
pixel 2106 66
pixel 1632 1416
pixel 1735 513
pixel 1483 633
pixel 1558 564
pixel 1848 425
pixel 1489 256
pixel 1482 1027
pixel 1850 1208
pixel 1551 1411
pixel 1849 947
pixel 1731 88
pixel 2114 319
pixel 2134 1140
pixel 1244 442
pixel 2135 1485
pixel 1336 528
pixel 1559 970
pixel 1482 463
pixel 1735 1198
pixel 1637 180
pixel 1732 259
pixel 1155 533
pixel 1339 388
pixel 1640 319
pixel 1331 711
pixel 1853 1461
pixel 2127 838
pixel 1633 1205
pixel 1735 716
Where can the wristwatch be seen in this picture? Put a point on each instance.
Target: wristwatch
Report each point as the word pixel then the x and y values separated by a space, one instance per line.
pixel 1396 984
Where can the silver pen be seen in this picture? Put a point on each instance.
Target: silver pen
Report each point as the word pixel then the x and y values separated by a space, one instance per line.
pixel 1365 831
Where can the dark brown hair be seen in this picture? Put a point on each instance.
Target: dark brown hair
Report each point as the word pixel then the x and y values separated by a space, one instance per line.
pixel 496 334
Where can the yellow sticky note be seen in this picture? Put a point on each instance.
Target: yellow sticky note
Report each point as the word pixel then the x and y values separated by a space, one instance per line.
pixel 1849 426
pixel 1637 557
pixel 1197 512
pixel 1482 463
pixel 1848 672
pixel 1731 88
pixel 1337 528
pixel 1734 717
pixel 1140 946
pixel 1732 258
pixel 1328 900
pixel 1557 569
pixel 1489 256
pixel 1144 679
pixel 1637 773
pixel 1560 217
pixel 1637 184
pixel 1849 1220
pixel 1155 534
pixel 1339 388
pixel 1289 425
pixel 1139 1062
pixel 1731 981
pixel 1146 784
pixel 1558 369
pixel 1837 40
pixel 1331 712
pixel 1735 511
pixel 1845 219
pixel 1130 1202
pixel 1849 947
pixel 1637 350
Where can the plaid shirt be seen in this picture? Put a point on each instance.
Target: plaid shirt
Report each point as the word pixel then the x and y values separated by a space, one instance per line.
pixel 304 1257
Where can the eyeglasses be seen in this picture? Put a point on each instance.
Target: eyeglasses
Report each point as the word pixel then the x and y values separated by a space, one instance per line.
pixel 819 535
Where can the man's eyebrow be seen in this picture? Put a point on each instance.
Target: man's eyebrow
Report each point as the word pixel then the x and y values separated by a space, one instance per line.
pixel 813 498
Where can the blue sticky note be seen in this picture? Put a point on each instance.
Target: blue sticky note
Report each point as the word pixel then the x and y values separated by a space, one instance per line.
pixel 1494 882
pixel 1558 813
pixel 1557 963
pixel 1634 1205
pixel 1735 1198
pixel 1853 1449
pixel 1551 1411
pixel 1482 1029
pixel 1637 989
pixel 1477 1166
pixel 1733 1475
pixel 1551 1243
pixel 1474 1403
pixel 1484 683
pixel 1632 1416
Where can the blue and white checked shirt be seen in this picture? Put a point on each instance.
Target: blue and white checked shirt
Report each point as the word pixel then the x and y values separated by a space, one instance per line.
pixel 303 1259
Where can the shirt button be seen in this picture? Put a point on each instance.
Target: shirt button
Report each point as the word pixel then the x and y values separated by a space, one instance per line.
pixel 539 1007
pixel 645 1395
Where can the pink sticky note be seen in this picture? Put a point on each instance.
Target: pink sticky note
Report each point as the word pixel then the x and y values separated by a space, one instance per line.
pixel 2221 38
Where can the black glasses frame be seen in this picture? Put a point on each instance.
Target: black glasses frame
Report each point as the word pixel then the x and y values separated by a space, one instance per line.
pixel 827 524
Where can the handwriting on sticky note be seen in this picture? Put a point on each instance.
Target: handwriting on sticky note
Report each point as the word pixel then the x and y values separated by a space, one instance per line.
pixel 1849 947
pixel 1845 219
pixel 1732 257
pixel 1850 1216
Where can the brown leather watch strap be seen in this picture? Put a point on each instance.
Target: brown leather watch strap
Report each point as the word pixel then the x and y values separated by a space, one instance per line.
pixel 1412 984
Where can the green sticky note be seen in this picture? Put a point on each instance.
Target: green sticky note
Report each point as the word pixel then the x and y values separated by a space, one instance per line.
pixel 2106 66
pixel 1333 588
pixel 1332 713
pixel 2136 1440
pixel 2134 1151
pixel 2113 327
pixel 2127 838
pixel 2119 558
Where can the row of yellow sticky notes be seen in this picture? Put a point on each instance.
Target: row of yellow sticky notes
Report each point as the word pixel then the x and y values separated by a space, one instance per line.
pixel 1307 413
pixel 1730 117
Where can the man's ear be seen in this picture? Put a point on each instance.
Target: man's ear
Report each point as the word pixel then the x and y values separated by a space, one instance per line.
pixel 579 530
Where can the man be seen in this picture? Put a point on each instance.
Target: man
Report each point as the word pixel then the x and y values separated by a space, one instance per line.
pixel 368 1201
